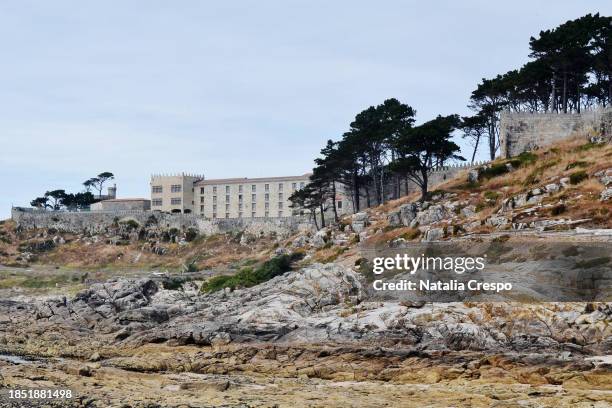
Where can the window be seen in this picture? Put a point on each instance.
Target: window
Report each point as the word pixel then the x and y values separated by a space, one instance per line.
pixel 280 213
pixel 215 207
pixel 267 197
pixel 227 198
pixel 267 214
pixel 253 187
pixel 253 206
pixel 226 207
pixel 226 189
pixel 226 215
pixel 201 190
pixel 302 184
pixel 240 214
pixel 280 196
pixel 214 189
pixel 280 186
pixel 214 199
pixel 339 205
pixel 156 189
pixel 175 201
pixel 267 187
pixel 280 204
pixel 267 205
pixel 253 197
pixel 214 215
pixel 201 199
pixel 175 188
pixel 253 214
pixel 157 202
pixel 240 188
pixel 239 198
pixel 201 208
pixel 293 186
pixel 240 206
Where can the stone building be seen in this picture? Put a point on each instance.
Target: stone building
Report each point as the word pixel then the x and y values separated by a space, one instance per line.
pixel 122 204
pixel 266 197
pixel 174 192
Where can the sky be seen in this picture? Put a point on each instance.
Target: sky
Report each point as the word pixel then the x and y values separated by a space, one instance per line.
pixel 232 89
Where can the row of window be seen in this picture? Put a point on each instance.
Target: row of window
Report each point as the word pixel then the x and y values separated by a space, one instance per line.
pixel 240 198
pixel 158 202
pixel 174 188
pixel 254 187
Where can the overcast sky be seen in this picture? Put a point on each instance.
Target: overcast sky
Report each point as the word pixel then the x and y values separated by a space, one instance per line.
pixel 231 89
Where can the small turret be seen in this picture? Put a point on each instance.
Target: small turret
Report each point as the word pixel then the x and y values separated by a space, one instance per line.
pixel 112 192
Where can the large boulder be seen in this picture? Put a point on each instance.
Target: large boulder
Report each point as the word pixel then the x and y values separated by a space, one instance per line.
pixel 473 176
pixel 433 234
pixel 360 221
pixel 606 194
pixel 407 213
pixel 319 239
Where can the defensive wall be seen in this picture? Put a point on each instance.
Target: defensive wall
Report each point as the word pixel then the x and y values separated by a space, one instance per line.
pixel 521 131
pixel 96 222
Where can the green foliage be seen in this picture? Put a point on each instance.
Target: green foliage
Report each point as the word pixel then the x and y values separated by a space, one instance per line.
pixel 558 209
pixel 130 224
pixel 491 195
pixel 191 234
pixel 494 170
pixel 248 277
pixel 578 177
pixel 588 146
pixel 575 164
pixel 525 159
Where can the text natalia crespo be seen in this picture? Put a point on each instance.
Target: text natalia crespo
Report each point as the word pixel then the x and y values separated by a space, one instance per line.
pixel 448 286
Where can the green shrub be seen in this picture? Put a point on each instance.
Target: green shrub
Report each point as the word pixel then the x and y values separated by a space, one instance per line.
pixel 577 164
pixel 491 195
pixel 526 158
pixel 191 234
pixel 494 171
pixel 589 146
pixel 558 209
pixel 248 277
pixel 130 224
pixel 173 283
pixel 578 177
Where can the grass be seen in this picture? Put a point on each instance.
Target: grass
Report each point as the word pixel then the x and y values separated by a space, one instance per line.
pixel 578 177
pixel 579 163
pixel 248 277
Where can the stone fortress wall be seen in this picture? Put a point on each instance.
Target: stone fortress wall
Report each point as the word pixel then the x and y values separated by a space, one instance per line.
pixel 97 222
pixel 521 131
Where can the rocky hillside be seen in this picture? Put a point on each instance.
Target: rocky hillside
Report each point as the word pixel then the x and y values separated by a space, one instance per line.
pixel 293 318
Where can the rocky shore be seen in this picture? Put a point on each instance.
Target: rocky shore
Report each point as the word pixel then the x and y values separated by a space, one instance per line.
pixel 313 335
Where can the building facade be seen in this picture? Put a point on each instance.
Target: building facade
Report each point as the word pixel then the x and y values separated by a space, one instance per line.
pixel 266 197
pixel 174 192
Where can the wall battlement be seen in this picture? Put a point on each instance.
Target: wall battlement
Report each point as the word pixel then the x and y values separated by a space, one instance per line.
pixel 521 131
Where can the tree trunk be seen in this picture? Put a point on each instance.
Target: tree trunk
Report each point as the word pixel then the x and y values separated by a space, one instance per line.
pixel 334 201
pixel 475 148
pixel 424 185
pixel 322 216
pixel 314 218
pixel 564 91
pixel 492 138
pixel 356 188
